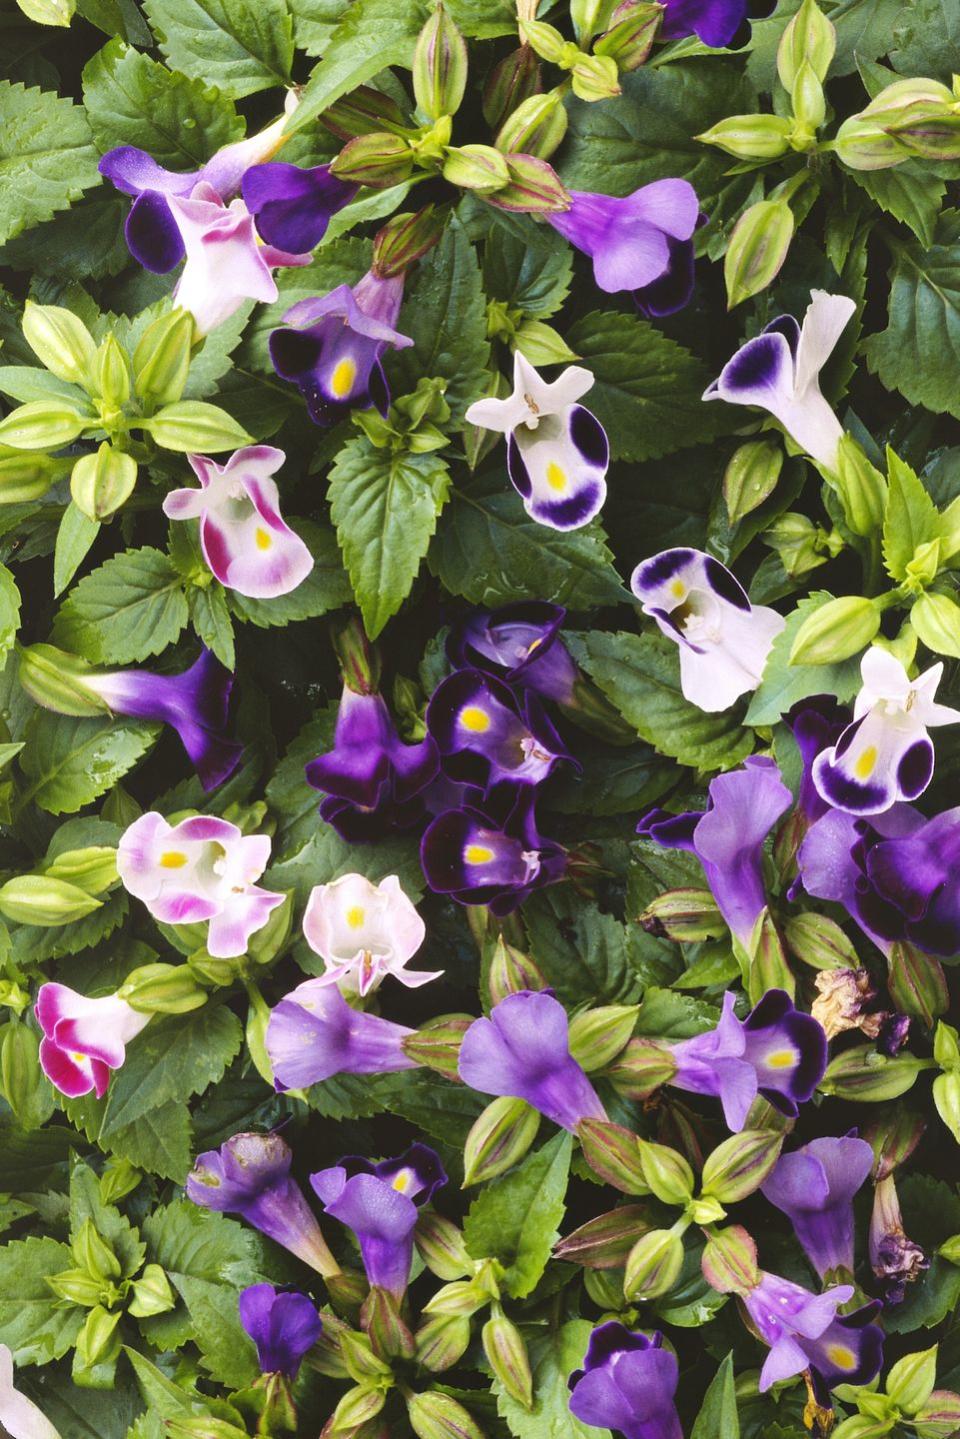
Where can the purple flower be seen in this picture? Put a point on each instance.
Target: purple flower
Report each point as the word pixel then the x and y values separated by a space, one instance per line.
pixel 777 1052
pixel 521 644
pixel 249 1175
pixel 481 859
pixel 373 781
pixel 814 1187
pixel 314 1034
pixel 292 207
pixel 627 1383
pixel 523 1050
pixel 894 1259
pixel 83 1039
pixel 331 347
pixel 283 1325
pixel 194 703
pixel 728 838
pixel 804 1331
pixel 715 22
pixel 642 242
pixel 379 1203
pixel 817 723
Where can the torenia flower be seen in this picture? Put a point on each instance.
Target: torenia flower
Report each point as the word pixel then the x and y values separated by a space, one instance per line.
pixel 283 1325
pixel 776 1052
pixel 642 242
pixel 715 22
pixel 896 1260
pixel 244 538
pixel 226 264
pixel 291 206
pixel 521 644
pixel 19 1416
pixel 364 932
pixel 628 1382
pixel 203 868
pixel 332 347
pixel 557 451
pixel 804 1331
pixel 724 640
pixel 779 371
pixel 814 1187
pixel 372 780
pixel 83 1039
pixel 379 1202
pixel 885 755
pixel 523 1050
pixel 743 807
pixel 249 1175
pixel 313 1034
pixel 481 859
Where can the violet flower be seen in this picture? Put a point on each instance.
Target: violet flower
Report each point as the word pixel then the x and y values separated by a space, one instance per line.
pixel 714 22
pixel 724 640
pixel 480 859
pixel 83 1039
pixel 249 1175
pixel 244 538
pixel 817 723
pixel 642 242
pixel 728 837
pixel 814 1187
pixel 379 1203
pixel 804 1331
pixel 331 347
pixel 372 780
pixel 521 644
pixel 313 1034
pixel 283 1325
pixel 776 1052
pixel 523 1051
pixel 364 932
pixel 894 1258
pixel 557 450
pixel 292 206
pixel 628 1382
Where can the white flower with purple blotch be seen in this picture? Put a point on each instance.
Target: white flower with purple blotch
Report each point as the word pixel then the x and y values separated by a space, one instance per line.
pixel 885 755
pixel 804 1331
pixel 83 1039
pixel 364 932
pixel 314 1034
pixel 244 538
pixel 779 371
pixel 724 640
pixel 19 1416
pixel 814 1187
pixel 203 868
pixel 627 1383
pixel 557 451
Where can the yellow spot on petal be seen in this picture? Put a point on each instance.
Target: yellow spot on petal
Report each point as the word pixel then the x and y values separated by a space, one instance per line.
pixel 356 914
pixel 77 1057
pixel 841 1356
pixel 475 719
pixel 556 476
pixel 341 381
pixel 866 763
pixel 263 540
pixel 173 859
pixel 477 854
pixel 678 589
pixel 401 1181
pixel 781 1058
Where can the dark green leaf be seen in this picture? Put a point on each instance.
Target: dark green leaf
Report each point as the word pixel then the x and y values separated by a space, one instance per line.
pixel 516 1218
pixel 240 45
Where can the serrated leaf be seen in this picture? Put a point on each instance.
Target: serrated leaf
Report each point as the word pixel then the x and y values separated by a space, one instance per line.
pixel 582 951
pixel 47 156
pixel 31 1322
pixel 110 1224
pixel 373 35
pixel 908 192
pixel 784 684
pixel 131 607
pixel 176 1057
pixel 516 1218
pixel 927 38
pixel 69 762
pixel 241 45
pixel 554 1356
pixel 314 22
pixel 910 519
pixel 211 620
pixel 531 271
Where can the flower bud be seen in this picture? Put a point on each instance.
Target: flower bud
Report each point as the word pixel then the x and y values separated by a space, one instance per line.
pixel 442 1341
pixel 863 1075
pixel 112 375
pixel 541 344
pixel 653 1265
pixel 463 1296
pixel 98 1341
pixel 61 342
pixel 362 1364
pixel 381 1321
pixel 511 81
pixel 151 1294
pixel 76 1286
pixel 194 427
pixel 161 360
pixel 751 475
pixel 437 1043
pixel 547 41
pixel 686 915
pixel 595 77
pixel 818 941
pixel 893 1136
pixel 809 39
pixel 863 144
pixel 750 137
pixel 631 35
pixel 476 167
pixel 441 1246
pixel 439 66
pixel 946 1047
pixel 356 1407
pixel 739 1165
pixel 642 1068
pixel 500 1137
pixel 835 631
pixel 946 1096
pixel 362 112
pixel 507 1356
pixel 536 127
pixel 43 425
pixel 729 1261
pixel 326 1356
pixel 438 1416
pixel 911 1380
pixel 917 983
pixel 24 1085
pixel 25 477
pixel 809 106
pixel 205 1426
pixel 936 620
pixel 92 1253
pixel 379 160
pixel 757 249
pixel 162 989
pixel 404 239
pixel 939 1417
pixel 119 1178
pixel 861 488
pixel 511 971
pixel 598 1035
pixel 768 962
pixel 604 1242
pixel 928 131
pixel 612 1152
pixel 535 187
pixel 38 899
pixel 101 483
pixel 668 1174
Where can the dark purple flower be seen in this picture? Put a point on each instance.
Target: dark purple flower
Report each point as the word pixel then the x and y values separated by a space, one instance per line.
pixel 379 1203
pixel 627 1383
pixel 292 207
pixel 313 1034
pixel 523 1050
pixel 814 1187
pixel 371 779
pixel 194 703
pixel 249 1175
pixel 728 838
pixel 896 1260
pixel 715 22
pixel 282 1324
pixel 777 1052
pixel 331 347
pixel 804 1331
pixel 817 723
pixel 521 644
pixel 481 859
pixel 642 242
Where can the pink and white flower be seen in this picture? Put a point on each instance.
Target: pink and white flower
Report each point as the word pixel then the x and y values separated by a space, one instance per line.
pixel 83 1039
pixel 19 1416
pixel 203 868
pixel 364 932
pixel 244 538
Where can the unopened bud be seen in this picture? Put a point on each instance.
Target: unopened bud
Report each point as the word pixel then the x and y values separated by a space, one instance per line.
pixel 404 239
pixel 939 1417
pixel 595 77
pixel 653 1265
pixel 685 915
pixel 442 1341
pixel 61 342
pixel 161 360
pixel 604 1242
pixel 632 32
pixel 380 1317
pixel 546 40
pixel 511 972
pixel 757 249
pixel 195 427
pixel 809 106
pixel 439 66
pixel 541 344
pixel 362 112
pixel 946 1097
pixel 43 425
pixel 507 1356
pixel 862 143
pixel 739 1165
pixel 162 989
pixel 750 137
pixel 861 488
pixel 112 374
pixel 362 1364
pixel 835 631
pixel 917 983
pixel 437 1043
pixel 535 127
pixel 751 475
pixel 98 1341
pixel 93 1254
pixel 641 1069
pixel 612 1152
pixel 118 1179
pixel 511 81
pixel 25 477
pixel 598 1035
pixel 438 1416
pixel 476 167
pixel 863 1075
pixel 810 39
pixel 357 1406
pixel 22 1078
pixel 768 962
pixel 729 1261
pixel 667 1173
pixel 928 130
pixel 378 160
pixel 441 1246
pixel 535 188
pixel 102 482
pixel 76 1286
pixel 38 899
pixel 893 1136
pixel 151 1294
pixel 500 1137
pixel 910 1381
pixel 93 869
pixel 818 941
pixel 462 1297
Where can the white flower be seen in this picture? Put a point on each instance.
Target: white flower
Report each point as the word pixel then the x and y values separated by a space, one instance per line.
pixel 364 932
pixel 19 1416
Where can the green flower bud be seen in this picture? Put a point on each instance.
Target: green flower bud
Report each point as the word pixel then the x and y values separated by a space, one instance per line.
pixel 768 962
pixel 462 1297
pixel 799 543
pixel 863 144
pixel 917 983
pixel 162 989
pixel 379 160
pixel 911 1380
pixel 404 239
pixel 598 1035
pixel 893 1136
pixel 499 1138
pixel 536 127
pixel 612 1152
pixel 705 1210
pixel 25 477
pixel 326 1356
pixel 98 1343
pixel 356 1407
pixel 381 1321
pixel 757 249
pixel 25 1087
pixel 151 1294
pixel 739 1165
pixel 809 39
pixel 863 1075
pixel 442 1341
pixel 546 40
pixel 653 1265
pixel 946 1047
pixel 835 631
pixel 750 137
pixel 535 188
pixel 194 427
pixel 37 899
pixel 630 37
pixel 686 915
pixel 507 1356
pixel 595 77
pixel 476 167
pixel 161 360
pixel 820 942
pixel 511 81
pixel 441 1246
pixel 928 131
pixel 362 112
pixel 668 1174
pixel 588 16
pixel 540 343
pixel 93 869
pixel 61 342
pixel 101 483
pixel 729 1261
pixel 439 66
pixel 861 488
pixel 936 620
pixel 362 1364
pixel 437 1043
pixel 511 971
pixel 92 1253
pixel 751 475
pixel 119 1178
pixel 43 425
pixel 604 1242
pixel 438 1416
pixel 642 1068
pixel 605 1288
pixel 809 104
pixel 939 1417
pixel 54 679
pixel 861 1427
pixel 76 1286
pixel 946 1096
pixel 112 375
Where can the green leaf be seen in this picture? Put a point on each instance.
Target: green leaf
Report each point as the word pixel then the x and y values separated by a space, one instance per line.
pixel 69 762
pixel 9 611
pixel 491 552
pixel 783 684
pixel 554 1356
pixel 532 271
pixel 908 193
pixel 241 45
pixel 176 1057
pixel 927 39
pixel 288 793
pixel 47 156
pixel 85 242
pixel 640 675
pixel 326 587
pixel 373 35
pixel 582 951
pixel 83 1413
pixel 131 607
pixel 210 615
pixel 326 856
pixel 160 1141
pixel 648 389
pixel 314 22
pixel 110 1224
pixel 31 1322
pixel 385 508
pixel 516 1217
pixel 75 537
pixel 133 100
pixel 910 519
pixel 718 1417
